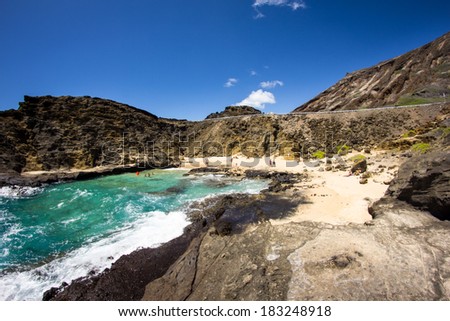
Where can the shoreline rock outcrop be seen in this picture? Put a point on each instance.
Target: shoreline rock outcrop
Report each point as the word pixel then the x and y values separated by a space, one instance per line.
pixel 424 182
pixel 402 254
pixel 222 216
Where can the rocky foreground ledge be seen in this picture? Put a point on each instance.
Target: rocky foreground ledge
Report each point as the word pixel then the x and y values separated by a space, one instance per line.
pixel 402 254
pixel 221 216
pixel 235 249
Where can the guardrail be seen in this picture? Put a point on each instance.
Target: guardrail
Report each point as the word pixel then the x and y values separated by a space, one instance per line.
pixel 325 112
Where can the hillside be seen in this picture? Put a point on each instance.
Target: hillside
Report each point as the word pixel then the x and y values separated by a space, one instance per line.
pixel 419 76
pixel 53 133
pixel 231 111
pixel 82 133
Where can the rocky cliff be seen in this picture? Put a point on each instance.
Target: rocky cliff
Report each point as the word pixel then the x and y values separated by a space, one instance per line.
pixel 419 76
pixel 53 133
pixel 297 137
pixel 79 133
pixel 231 111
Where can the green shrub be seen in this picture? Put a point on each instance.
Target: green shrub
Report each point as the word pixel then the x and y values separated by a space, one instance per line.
pixel 357 158
pixel 409 133
pixel 446 131
pixel 342 149
pixel 421 148
pixel 318 154
pixel 417 100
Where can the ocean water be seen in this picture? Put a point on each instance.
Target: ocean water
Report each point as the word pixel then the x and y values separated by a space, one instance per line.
pixel 64 231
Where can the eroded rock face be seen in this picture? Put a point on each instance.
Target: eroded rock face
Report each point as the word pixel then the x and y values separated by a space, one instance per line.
pixel 378 262
pixel 394 258
pixel 419 76
pixel 424 181
pixel 231 111
pixel 64 133
pixel 52 133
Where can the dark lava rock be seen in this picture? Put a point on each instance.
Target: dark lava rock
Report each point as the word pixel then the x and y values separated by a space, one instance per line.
pixel 55 133
pixel 231 111
pixel 203 170
pixel 128 276
pixel 363 181
pixel 253 173
pixel 223 227
pixel 423 181
pixel 360 166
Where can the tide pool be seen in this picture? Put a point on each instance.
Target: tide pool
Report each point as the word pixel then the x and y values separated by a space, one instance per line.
pixel 64 231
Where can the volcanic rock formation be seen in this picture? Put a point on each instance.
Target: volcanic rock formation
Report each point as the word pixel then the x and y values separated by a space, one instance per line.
pixel 419 76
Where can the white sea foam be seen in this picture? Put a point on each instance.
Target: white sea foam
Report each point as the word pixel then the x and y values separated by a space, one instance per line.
pixel 154 229
pixel 5 253
pixel 19 191
pixel 72 220
pixel 13 230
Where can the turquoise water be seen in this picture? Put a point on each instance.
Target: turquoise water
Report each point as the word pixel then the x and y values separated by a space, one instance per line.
pixel 64 231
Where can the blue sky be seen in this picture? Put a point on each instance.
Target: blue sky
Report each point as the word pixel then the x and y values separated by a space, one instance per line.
pixel 188 58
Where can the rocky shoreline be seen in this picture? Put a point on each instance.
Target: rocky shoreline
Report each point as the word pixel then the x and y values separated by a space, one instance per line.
pixel 37 179
pixel 237 249
pixel 222 216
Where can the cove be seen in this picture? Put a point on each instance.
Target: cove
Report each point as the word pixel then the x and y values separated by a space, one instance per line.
pixel 60 232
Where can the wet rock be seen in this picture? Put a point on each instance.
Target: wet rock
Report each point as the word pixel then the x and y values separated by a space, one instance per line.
pixel 223 227
pixel 128 276
pixel 203 170
pixel 251 173
pixel 50 294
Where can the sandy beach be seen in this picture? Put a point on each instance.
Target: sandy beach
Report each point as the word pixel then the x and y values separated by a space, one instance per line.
pixel 331 196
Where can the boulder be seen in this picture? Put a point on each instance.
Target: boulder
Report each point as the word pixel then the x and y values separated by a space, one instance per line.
pixel 423 181
pixel 359 166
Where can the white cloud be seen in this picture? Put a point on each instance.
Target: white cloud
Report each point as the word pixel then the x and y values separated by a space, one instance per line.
pixel 297 5
pixel 271 84
pixel 269 2
pixel 293 4
pixel 258 99
pixel 230 82
pixel 253 73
